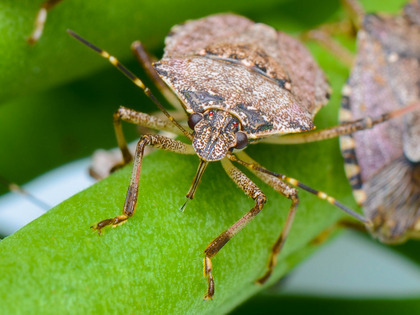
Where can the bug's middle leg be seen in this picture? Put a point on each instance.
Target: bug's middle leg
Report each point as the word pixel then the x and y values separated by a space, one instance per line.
pixel 213 248
pixel 345 128
pixel 157 141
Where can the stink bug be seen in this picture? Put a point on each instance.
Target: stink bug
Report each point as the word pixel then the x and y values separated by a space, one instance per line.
pixel 240 82
pixel 382 164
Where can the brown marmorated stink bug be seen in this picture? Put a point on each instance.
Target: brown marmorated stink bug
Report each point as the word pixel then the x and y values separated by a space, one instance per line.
pixel 240 82
pixel 382 164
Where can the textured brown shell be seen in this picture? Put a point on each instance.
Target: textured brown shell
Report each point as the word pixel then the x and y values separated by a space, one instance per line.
pixel 265 78
pixel 386 76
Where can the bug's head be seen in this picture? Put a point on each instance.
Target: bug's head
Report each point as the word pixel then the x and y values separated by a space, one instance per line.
pixel 215 133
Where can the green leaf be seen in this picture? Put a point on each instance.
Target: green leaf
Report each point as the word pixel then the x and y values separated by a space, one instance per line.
pixel 153 263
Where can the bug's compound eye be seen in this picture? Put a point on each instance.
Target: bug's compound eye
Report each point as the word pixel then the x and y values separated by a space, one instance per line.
pixel 194 119
pixel 241 140
pixel 211 113
pixel 235 124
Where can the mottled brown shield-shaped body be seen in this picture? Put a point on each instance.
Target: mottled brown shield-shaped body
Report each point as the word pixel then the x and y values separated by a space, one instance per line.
pixel 264 78
pixel 382 164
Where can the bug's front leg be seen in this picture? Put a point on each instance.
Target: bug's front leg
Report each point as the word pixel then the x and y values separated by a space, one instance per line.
pixel 213 248
pixel 157 141
pixel 138 118
pixel 346 128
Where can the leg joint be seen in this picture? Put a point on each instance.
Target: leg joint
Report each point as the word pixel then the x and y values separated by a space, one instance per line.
pixel 144 140
pixel 292 194
pixel 261 199
pixel 122 113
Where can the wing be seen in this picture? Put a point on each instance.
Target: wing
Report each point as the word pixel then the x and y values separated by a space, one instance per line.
pixel 264 77
pixel 393 201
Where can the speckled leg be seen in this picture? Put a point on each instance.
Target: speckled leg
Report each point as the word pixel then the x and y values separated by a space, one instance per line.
pixel 157 141
pixel 270 178
pixel 40 20
pixel 138 118
pixel 213 248
pixel 146 60
pixel 287 191
pixel 320 194
pixel 343 129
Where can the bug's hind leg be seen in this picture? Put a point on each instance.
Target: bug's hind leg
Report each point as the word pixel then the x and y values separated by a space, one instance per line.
pixel 345 128
pixel 146 60
pixel 290 193
pixel 323 38
pixel 40 20
pixel 323 35
pixel 280 186
pixel 157 141
pixel 213 248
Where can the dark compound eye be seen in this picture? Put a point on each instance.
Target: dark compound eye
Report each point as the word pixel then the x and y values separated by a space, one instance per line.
pixel 194 119
pixel 241 140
